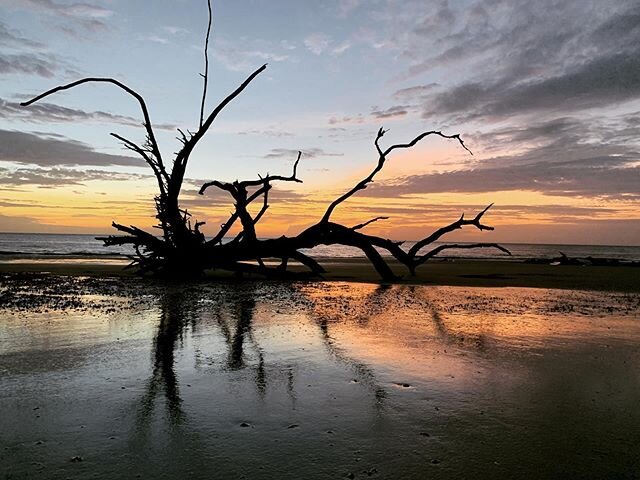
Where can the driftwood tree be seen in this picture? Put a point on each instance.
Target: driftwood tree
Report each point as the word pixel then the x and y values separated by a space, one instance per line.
pixel 182 249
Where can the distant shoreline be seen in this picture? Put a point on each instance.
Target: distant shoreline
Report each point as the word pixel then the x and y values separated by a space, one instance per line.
pixel 544 244
pixel 450 272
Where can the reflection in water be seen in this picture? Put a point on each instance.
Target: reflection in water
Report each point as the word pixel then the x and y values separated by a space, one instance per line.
pixel 365 329
pixel 353 308
pixel 182 308
pixel 363 372
pixel 243 310
pixel 321 380
pixel 176 312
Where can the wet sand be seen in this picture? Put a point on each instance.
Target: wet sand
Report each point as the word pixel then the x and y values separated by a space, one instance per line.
pixel 120 377
pixel 479 273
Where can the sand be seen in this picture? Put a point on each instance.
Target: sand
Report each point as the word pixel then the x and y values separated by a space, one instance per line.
pixel 111 376
pixel 480 273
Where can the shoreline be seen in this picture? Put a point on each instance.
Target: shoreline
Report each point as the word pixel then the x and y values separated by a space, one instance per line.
pixel 449 272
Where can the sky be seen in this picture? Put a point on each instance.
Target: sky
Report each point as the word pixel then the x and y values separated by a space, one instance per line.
pixel 546 95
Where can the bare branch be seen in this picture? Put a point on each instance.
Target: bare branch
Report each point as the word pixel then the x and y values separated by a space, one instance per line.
pixel 161 175
pixel 206 65
pixel 368 222
pixel 458 224
pixel 308 262
pixel 440 248
pixel 381 160
pixel 136 95
pixel 228 187
pixel 183 138
pixel 224 229
pixel 253 183
pixel 265 204
pixel 183 155
pixel 274 178
pixel 420 137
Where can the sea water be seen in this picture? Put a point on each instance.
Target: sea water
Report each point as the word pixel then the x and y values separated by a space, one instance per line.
pixel 83 245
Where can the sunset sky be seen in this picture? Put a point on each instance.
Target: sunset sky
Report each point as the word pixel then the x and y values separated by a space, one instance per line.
pixel 545 93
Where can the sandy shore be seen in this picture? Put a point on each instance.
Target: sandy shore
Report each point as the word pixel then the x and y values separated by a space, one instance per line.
pixel 104 375
pixel 479 273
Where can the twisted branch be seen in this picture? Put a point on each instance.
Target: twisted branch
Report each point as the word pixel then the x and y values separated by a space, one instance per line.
pixel 133 93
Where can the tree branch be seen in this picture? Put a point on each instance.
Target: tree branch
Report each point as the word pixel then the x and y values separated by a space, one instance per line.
pixel 368 222
pixel 265 204
pixel 184 153
pixel 362 184
pixel 160 175
pixel 440 248
pixel 136 95
pixel 253 183
pixel 206 65
pixel 420 137
pixel 458 224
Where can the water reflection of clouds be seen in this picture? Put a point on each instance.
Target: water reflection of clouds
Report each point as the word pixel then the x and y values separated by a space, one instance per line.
pixel 272 330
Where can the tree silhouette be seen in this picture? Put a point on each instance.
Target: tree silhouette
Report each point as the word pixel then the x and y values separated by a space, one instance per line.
pixel 183 249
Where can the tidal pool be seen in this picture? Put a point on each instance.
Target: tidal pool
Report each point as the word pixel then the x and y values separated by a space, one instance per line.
pixel 118 378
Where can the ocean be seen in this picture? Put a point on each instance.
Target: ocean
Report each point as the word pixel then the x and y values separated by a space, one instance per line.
pixel 46 244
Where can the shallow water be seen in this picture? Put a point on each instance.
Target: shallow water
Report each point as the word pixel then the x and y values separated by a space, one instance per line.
pixel 30 245
pixel 316 380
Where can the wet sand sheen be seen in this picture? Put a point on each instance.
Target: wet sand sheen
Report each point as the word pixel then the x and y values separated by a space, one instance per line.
pixel 316 380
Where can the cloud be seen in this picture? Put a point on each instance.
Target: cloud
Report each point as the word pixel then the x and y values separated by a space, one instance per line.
pixel 29 64
pixel 559 180
pixel 503 58
pixel 512 63
pixel 72 10
pixel 154 39
pixel 419 210
pixel 583 174
pixel 44 151
pixel 439 20
pixel 173 30
pixel 391 112
pixel 340 49
pixel 597 83
pixel 49 112
pixel 267 132
pixel 317 43
pixel 89 17
pixel 9 223
pixel 57 177
pixel 12 39
pixel 20 55
pixel 287 45
pixel 306 153
pixel 347 119
pixel 416 91
pixel 557 159
pixel 242 59
pixel 345 7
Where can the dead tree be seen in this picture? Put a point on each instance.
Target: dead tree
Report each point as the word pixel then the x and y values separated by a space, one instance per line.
pixel 182 249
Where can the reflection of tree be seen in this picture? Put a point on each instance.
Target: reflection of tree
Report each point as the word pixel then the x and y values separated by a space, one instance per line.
pixel 364 374
pixel 182 308
pixel 238 335
pixel 382 301
pixel 445 335
pixel 176 312
pixel 375 303
pixel 233 309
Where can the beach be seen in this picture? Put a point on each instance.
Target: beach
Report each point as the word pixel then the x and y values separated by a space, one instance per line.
pixel 453 272
pixel 471 370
